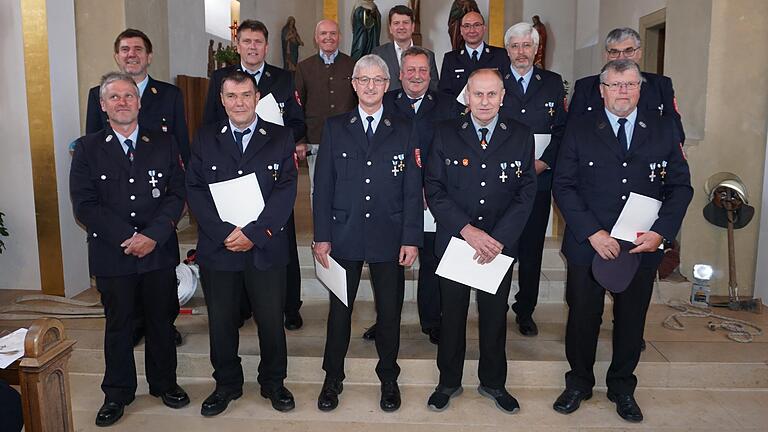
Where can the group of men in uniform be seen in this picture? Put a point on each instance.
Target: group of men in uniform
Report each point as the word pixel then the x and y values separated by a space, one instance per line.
pixel 394 144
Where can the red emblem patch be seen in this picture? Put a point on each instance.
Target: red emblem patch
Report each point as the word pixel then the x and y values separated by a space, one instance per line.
pixel 296 160
pixel 674 101
pixel 297 97
pixel 417 155
pixel 565 103
pixel 683 152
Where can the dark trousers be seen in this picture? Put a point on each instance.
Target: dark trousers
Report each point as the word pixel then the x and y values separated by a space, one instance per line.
pixel 138 315
pixel 492 311
pixel 11 415
pixel 428 291
pixel 293 291
pixel 530 252
pixel 157 289
pixel 388 280
pixel 585 299
pixel 265 293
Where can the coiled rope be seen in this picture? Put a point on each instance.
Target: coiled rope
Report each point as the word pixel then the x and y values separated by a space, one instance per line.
pixel 738 330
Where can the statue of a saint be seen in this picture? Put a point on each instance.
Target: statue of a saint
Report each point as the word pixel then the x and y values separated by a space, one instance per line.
pixel 538 59
pixel 366 28
pixel 291 43
pixel 459 8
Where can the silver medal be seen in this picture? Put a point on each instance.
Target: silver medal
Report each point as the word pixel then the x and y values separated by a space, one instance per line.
pixel 155 193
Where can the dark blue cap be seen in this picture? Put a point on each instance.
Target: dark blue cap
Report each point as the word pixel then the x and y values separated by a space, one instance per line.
pixel 616 274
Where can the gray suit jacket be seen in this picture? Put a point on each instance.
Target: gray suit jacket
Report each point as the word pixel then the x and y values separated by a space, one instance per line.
pixel 387 52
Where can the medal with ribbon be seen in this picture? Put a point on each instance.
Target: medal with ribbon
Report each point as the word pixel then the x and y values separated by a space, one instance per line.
pixel 503 175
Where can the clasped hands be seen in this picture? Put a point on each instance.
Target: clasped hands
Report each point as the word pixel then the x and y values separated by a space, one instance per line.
pixel 138 245
pixel 608 247
pixel 486 247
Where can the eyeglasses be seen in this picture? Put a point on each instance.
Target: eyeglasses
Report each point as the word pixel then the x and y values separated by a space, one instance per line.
pixel 476 26
pixel 378 81
pixel 629 52
pixel 633 85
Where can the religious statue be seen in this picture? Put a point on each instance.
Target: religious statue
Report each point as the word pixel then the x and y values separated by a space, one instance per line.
pixel 366 28
pixel 415 6
pixel 459 8
pixel 291 43
pixel 538 59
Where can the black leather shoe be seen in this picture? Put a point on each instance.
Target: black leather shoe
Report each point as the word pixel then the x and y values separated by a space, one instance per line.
pixel 442 396
pixel 281 398
pixel 177 337
pixel 110 413
pixel 217 402
pixel 329 395
pixel 390 396
pixel 175 397
pixel 370 334
pixel 642 345
pixel 527 326
pixel 504 400
pixel 433 333
pixel 627 407
pixel 569 400
pixel 293 320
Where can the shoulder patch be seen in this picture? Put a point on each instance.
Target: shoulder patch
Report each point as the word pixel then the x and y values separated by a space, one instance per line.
pixel 417 156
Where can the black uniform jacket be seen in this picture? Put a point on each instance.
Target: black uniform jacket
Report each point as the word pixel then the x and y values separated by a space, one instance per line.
pixel 656 96
pixel 162 109
pixel 216 158
pixel 277 81
pixel 368 198
pixel 490 189
pixel 542 108
pixel 457 66
pixel 594 178
pixel 114 199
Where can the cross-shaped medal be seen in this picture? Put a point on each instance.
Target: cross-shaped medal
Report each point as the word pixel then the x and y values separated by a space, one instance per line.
pixel 551 111
pixel 503 177
pixel 401 165
pixel 652 176
pixel 152 181
pixel 394 169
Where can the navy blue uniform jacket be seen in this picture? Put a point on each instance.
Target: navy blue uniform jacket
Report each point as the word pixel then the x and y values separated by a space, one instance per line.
pixel 215 158
pixel 368 199
pixel 656 96
pixel 162 109
pixel 277 81
pixel 113 200
pixel 464 186
pixel 457 66
pixel 594 178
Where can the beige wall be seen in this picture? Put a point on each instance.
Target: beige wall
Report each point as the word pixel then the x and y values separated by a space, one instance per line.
pixel 151 17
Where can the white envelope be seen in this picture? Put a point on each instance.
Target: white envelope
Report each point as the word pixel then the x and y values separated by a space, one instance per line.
pixel 430 225
pixel 238 201
pixel 334 278
pixel 269 110
pixel 542 142
pixel 638 215
pixel 457 265
pixel 12 347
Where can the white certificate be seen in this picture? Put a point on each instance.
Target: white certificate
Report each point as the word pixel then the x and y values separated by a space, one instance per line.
pixel 637 216
pixel 334 278
pixel 269 110
pixel 12 347
pixel 430 225
pixel 238 201
pixel 460 98
pixel 457 265
pixel 542 142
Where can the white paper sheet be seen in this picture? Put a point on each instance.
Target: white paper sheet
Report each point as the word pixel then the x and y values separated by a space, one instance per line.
pixel 269 110
pixel 457 265
pixel 334 278
pixel 637 216
pixel 238 201
pixel 430 225
pixel 460 98
pixel 542 142
pixel 12 347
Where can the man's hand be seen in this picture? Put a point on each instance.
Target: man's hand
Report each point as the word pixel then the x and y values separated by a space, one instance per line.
pixel 321 250
pixel 605 245
pixel 237 241
pixel 301 150
pixel 486 247
pixel 408 255
pixel 647 242
pixel 139 245
pixel 540 166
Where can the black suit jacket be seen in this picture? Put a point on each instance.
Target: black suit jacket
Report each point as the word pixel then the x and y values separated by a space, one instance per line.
pixel 388 54
pixel 113 199
pixel 216 158
pixel 162 109
pixel 277 81
pixel 464 183
pixel 457 66
pixel 594 178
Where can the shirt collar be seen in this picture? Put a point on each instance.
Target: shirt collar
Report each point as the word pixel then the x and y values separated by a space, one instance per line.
pixel 133 137
pixel 480 49
pixel 329 59
pixel 142 85
pixel 252 126
pixel 526 77
pixel 261 70
pixel 491 126
pixel 376 117
pixel 613 119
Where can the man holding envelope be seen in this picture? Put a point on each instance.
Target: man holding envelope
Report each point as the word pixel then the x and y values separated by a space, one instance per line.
pixel 241 245
pixel 480 185
pixel 607 157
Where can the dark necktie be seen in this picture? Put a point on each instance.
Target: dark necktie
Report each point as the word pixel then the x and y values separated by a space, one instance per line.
pixel 520 86
pixel 239 139
pixel 131 150
pixel 622 135
pixel 413 103
pixel 484 138
pixel 369 131
pixel 256 76
pixel 475 56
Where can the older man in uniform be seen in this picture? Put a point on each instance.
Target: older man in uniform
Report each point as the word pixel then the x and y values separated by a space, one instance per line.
pixel 367 208
pixel 253 256
pixel 127 188
pixel 534 97
pixel 480 184
pixel 476 54
pixel 606 155
pixel 252 45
